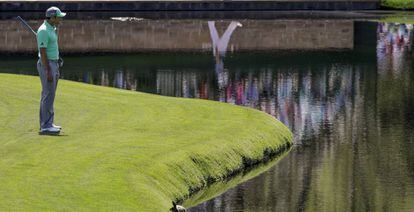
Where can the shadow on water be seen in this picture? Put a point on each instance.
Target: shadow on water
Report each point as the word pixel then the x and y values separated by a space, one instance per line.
pixel 218 188
pixel 343 87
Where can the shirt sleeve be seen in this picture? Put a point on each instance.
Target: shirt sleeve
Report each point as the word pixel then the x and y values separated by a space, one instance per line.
pixel 42 39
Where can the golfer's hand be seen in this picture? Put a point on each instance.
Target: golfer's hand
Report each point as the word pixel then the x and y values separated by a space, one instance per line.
pixel 49 75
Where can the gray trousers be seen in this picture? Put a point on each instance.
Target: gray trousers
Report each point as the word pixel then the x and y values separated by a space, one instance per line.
pixel 48 93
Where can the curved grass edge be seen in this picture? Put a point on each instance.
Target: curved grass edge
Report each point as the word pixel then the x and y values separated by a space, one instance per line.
pixel 248 169
pixel 179 168
pixel 218 188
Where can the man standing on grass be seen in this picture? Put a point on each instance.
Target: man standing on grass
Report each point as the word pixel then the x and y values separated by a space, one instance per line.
pixel 48 68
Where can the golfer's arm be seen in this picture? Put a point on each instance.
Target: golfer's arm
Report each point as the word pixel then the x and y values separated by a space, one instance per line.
pixel 43 56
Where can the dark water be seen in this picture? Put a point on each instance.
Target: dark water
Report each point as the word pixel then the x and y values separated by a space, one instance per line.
pixel 351 110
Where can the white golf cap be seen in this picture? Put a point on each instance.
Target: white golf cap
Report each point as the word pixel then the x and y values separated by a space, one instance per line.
pixel 54 11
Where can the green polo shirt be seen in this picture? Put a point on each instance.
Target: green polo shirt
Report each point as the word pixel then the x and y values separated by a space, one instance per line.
pixel 48 38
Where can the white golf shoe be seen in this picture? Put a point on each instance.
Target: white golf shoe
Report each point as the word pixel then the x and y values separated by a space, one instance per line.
pixel 56 126
pixel 50 130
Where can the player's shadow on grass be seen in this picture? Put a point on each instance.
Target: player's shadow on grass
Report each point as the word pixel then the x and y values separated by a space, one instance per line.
pixel 52 134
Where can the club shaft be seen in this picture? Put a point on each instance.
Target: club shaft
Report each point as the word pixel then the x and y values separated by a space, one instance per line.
pixel 26 24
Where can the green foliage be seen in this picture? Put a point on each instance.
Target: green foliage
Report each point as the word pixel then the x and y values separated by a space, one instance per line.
pixel 398 4
pixel 121 150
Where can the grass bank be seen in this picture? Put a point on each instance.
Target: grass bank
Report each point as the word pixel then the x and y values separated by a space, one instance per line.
pixel 398 4
pixel 122 150
pixel 401 18
pixel 219 188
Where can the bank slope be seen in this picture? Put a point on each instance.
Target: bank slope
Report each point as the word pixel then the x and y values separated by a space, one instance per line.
pixel 121 150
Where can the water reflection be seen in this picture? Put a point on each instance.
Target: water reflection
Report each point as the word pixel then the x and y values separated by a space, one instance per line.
pixel 394 41
pixel 357 122
pixel 220 45
pixel 121 79
pixel 351 111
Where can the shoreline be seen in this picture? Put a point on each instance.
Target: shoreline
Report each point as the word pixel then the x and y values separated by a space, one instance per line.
pixel 246 166
pixel 217 188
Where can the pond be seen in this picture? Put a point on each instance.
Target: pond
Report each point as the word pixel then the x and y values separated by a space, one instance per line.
pixel 344 86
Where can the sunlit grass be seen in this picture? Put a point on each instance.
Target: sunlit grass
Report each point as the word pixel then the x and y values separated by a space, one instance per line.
pixel 399 19
pixel 398 4
pixel 120 150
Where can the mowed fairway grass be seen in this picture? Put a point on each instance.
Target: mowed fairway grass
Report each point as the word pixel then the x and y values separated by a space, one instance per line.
pixel 120 150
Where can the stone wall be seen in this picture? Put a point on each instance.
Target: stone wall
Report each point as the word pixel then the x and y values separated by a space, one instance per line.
pixel 182 35
pixel 191 5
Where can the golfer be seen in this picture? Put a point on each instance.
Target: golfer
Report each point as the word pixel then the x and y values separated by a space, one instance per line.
pixel 48 68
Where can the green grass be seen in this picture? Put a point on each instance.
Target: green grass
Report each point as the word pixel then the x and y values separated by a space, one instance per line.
pixel 398 4
pixel 121 150
pixel 400 18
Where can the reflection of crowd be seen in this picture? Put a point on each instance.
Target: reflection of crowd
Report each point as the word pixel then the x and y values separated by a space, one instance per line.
pixel 121 79
pixel 393 43
pixel 303 100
